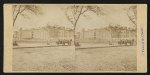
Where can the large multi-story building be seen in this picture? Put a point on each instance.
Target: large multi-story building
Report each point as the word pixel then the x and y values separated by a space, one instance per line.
pixel 53 33
pixel 107 34
pixel 48 33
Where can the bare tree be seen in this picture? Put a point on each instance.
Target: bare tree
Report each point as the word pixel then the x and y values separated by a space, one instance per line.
pixel 20 9
pixel 73 13
pixel 132 14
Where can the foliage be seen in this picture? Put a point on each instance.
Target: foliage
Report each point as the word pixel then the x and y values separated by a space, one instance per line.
pixel 74 12
pixel 20 10
pixel 132 14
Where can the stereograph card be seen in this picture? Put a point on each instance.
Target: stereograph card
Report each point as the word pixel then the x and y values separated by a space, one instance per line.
pixel 75 38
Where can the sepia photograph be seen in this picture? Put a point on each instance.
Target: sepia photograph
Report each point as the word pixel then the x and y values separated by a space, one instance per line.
pixel 75 38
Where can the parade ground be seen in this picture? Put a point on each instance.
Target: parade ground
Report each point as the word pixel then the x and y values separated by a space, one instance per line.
pixel 71 59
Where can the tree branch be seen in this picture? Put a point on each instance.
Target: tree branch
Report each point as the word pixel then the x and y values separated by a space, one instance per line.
pixel 78 17
pixel 22 10
pixel 131 19
pixel 16 15
pixel 14 10
pixel 84 11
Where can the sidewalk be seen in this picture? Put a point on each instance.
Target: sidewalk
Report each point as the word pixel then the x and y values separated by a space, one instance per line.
pixel 94 45
pixel 33 45
pixel 82 45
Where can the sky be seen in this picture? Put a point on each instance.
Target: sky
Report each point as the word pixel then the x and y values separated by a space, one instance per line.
pixel 54 14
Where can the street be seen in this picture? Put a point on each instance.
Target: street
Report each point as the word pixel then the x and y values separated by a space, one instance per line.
pixel 67 59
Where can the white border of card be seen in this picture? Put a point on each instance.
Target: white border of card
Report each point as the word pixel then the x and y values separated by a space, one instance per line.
pixel 141 40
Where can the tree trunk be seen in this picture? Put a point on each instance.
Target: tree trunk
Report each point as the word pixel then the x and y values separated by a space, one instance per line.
pixel 74 36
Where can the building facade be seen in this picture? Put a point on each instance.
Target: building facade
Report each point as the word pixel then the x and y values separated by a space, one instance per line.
pixel 48 33
pixel 107 34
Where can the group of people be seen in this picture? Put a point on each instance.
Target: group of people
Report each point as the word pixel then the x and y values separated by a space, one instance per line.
pixel 124 42
pixel 64 42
